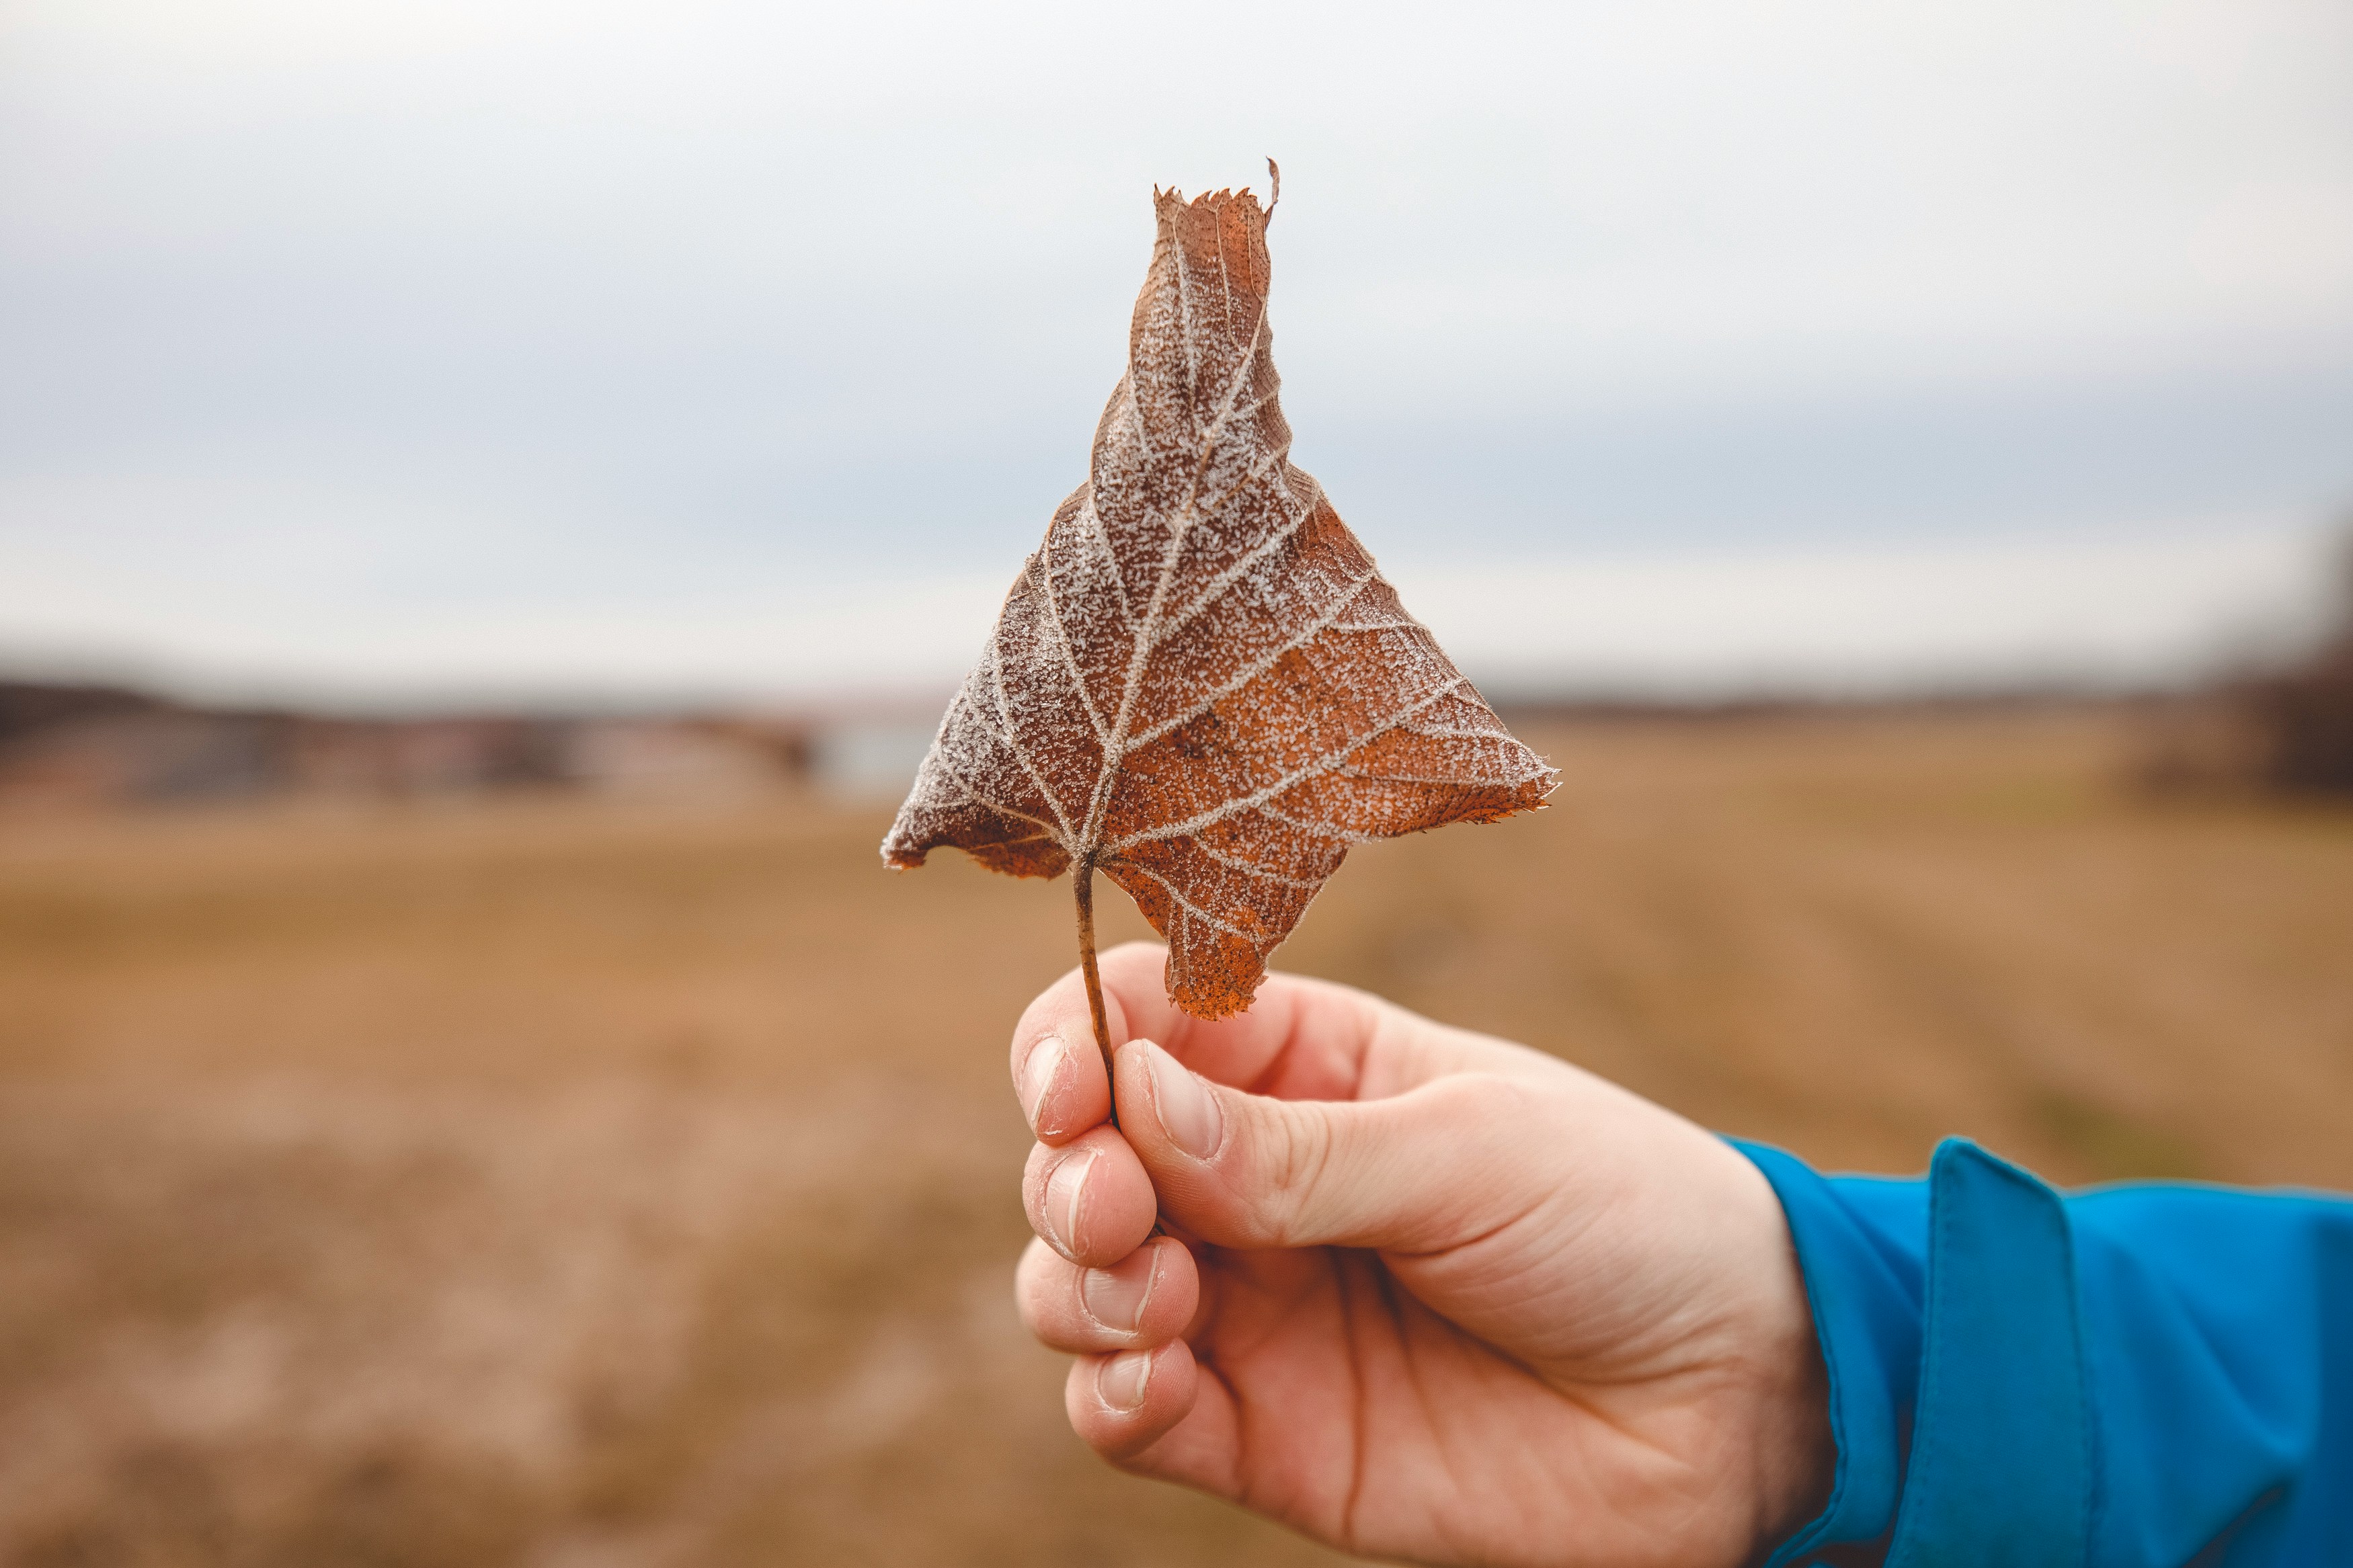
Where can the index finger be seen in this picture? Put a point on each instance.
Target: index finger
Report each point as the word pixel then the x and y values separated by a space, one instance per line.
pixel 1060 1070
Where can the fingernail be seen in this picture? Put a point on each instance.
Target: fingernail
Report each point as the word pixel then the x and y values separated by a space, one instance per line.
pixel 1188 1112
pixel 1064 1191
pixel 1115 1297
pixel 1123 1378
pixel 1038 1076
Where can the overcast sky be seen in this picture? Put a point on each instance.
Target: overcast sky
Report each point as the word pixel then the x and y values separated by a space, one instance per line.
pixel 590 349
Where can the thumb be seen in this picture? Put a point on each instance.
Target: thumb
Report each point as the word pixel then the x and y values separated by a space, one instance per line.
pixel 1419 1171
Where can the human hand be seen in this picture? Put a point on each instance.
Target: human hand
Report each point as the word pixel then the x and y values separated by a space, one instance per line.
pixel 1424 1294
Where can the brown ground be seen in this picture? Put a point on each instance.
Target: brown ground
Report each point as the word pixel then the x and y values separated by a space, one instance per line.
pixel 581 1185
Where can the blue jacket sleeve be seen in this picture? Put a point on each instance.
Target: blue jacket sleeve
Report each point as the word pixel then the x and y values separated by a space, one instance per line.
pixel 2140 1376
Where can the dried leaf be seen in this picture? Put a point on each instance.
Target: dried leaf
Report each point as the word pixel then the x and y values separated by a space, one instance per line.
pixel 1200 685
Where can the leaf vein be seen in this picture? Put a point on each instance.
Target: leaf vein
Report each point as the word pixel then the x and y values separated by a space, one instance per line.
pixel 1216 588
pixel 1011 743
pixel 1249 870
pixel 1260 796
pixel 1196 910
pixel 972 791
pixel 1062 640
pixel 1211 699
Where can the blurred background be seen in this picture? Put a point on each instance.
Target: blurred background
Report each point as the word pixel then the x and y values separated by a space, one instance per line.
pixel 492 498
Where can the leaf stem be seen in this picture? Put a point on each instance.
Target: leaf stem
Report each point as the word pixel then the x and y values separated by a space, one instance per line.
pixel 1083 886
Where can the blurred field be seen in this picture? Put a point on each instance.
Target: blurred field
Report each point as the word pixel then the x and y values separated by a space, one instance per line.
pixel 577 1184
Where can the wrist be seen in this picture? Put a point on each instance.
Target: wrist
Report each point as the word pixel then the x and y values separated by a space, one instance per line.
pixel 1798 1457
pixel 1795 1451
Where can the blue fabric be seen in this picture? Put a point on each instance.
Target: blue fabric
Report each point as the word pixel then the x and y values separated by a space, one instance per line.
pixel 2140 1376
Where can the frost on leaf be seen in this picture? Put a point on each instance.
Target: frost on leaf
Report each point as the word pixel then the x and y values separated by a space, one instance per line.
pixel 1200 685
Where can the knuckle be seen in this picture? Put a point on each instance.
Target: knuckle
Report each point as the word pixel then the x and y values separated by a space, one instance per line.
pixel 1479 1099
pixel 1295 1153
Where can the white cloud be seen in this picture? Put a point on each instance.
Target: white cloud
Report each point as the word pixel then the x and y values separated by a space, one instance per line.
pixel 546 315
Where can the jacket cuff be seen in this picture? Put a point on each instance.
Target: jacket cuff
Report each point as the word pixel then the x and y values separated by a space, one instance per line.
pixel 1947 1317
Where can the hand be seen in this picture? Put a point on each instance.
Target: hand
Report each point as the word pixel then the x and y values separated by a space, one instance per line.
pixel 1423 1294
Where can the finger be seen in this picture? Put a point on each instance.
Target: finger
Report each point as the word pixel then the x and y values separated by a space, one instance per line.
pixel 1202 1449
pixel 1058 1068
pixel 1414 1172
pixel 1124 1403
pixel 1090 1199
pixel 1144 1300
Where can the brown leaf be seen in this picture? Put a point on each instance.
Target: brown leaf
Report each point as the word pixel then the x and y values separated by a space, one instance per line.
pixel 1200 685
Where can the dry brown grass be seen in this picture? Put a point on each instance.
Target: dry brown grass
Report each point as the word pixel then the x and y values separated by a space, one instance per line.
pixel 578 1185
